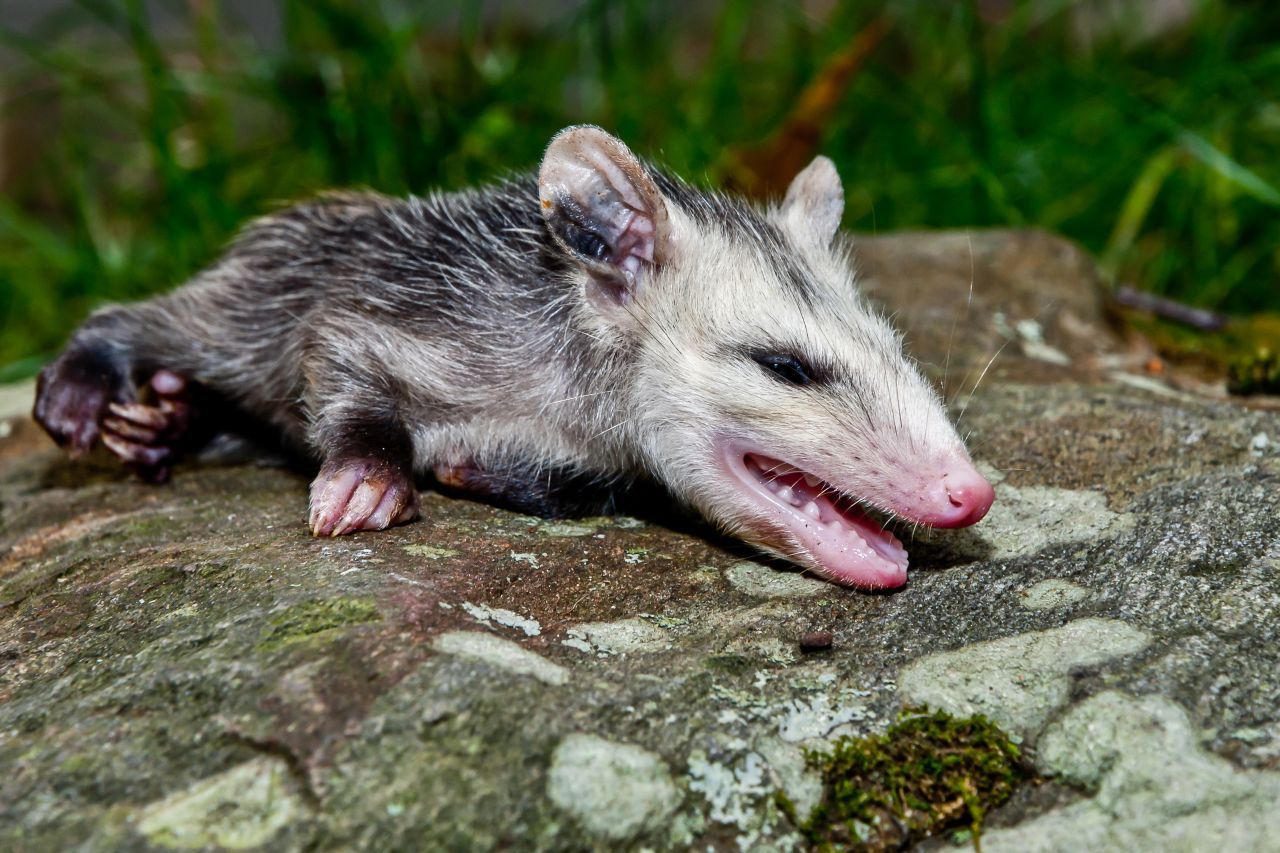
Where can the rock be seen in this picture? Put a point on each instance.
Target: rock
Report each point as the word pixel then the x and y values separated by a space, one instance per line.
pixel 483 679
pixel 614 790
pixel 238 809
pixel 16 400
pixel 964 296
pixel 1155 788
pixel 1030 519
pixel 761 581
pixel 1053 593
pixel 621 637
pixel 501 654
pixel 507 618
pixel 1017 681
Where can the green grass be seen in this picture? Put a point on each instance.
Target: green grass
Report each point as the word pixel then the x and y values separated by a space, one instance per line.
pixel 132 159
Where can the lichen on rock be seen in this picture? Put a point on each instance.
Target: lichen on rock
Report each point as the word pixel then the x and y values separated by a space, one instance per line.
pixel 615 790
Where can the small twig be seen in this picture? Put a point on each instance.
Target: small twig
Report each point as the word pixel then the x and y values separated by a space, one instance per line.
pixel 1197 318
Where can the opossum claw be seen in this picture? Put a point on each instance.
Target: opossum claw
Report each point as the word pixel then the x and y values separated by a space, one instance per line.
pixel 359 495
pixel 129 429
pixel 136 453
pixel 148 437
pixel 138 416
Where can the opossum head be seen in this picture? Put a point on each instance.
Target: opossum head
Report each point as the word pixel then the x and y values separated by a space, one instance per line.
pixel 762 388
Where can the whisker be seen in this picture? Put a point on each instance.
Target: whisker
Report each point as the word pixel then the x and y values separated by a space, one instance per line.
pixel 606 430
pixel 581 396
pixel 974 389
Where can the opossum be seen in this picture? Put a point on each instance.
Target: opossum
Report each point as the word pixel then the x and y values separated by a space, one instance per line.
pixel 544 342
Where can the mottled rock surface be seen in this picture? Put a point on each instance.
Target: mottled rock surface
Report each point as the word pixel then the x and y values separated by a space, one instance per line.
pixel 183 667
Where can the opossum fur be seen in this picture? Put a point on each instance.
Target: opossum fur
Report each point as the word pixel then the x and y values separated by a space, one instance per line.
pixel 600 323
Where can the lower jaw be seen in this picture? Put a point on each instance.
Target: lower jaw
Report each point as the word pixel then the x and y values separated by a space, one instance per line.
pixel 855 564
pixel 839 544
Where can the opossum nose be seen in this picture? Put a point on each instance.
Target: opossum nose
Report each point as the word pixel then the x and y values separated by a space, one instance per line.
pixel 970 496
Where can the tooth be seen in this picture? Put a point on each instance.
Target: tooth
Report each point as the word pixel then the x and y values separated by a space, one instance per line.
pixel 786 494
pixel 836 527
pixel 772 485
pixel 811 510
pixel 811 480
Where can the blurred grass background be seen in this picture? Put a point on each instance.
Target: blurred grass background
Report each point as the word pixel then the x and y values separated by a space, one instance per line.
pixel 129 152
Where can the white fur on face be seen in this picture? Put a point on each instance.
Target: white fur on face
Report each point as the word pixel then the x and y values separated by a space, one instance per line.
pixel 875 430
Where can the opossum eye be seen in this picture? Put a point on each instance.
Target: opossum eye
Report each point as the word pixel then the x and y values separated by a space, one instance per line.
pixel 785 366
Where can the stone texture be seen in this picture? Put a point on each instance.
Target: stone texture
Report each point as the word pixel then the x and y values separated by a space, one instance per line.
pixel 1154 787
pixel 621 637
pixel 1053 593
pixel 614 790
pixel 501 654
pixel 161 647
pixel 238 809
pixel 1018 681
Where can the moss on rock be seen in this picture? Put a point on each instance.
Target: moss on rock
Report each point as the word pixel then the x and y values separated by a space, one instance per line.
pixel 305 620
pixel 1255 373
pixel 930 772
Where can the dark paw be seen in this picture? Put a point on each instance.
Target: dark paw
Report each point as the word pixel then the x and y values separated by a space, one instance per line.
pixel 547 491
pixel 361 494
pixel 72 396
pixel 149 436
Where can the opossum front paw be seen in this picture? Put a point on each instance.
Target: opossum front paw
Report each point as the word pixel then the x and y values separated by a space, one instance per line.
pixel 361 494
pixel 72 395
pixel 148 437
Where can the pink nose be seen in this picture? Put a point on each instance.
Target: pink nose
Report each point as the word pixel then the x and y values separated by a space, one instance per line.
pixel 969 495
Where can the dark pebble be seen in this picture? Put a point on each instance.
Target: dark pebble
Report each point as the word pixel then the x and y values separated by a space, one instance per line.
pixel 815 641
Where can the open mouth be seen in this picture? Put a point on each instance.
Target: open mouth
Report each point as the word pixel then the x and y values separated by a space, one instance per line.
pixel 845 544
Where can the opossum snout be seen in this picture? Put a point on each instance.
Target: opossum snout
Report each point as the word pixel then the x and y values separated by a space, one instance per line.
pixel 958 498
pixel 971 496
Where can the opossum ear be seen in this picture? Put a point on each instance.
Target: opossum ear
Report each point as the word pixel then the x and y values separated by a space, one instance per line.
pixel 605 210
pixel 815 199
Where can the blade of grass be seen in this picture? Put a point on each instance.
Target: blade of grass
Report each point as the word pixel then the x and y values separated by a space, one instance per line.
pixel 1137 205
pixel 1228 167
